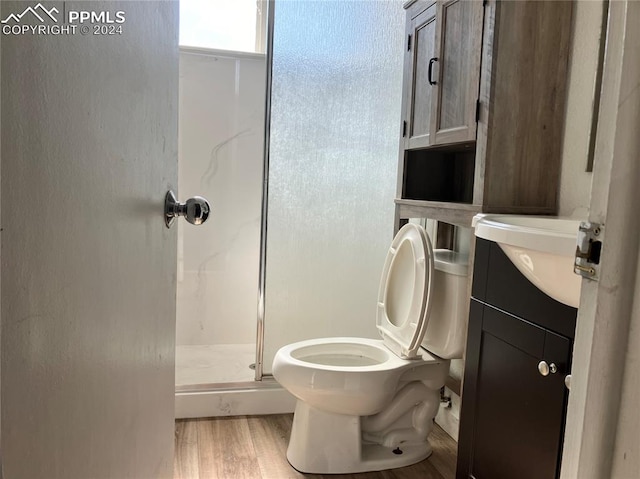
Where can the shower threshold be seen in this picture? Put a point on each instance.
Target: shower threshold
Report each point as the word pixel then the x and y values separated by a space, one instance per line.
pixel 217 380
pixel 234 399
pixel 199 366
pixel 266 383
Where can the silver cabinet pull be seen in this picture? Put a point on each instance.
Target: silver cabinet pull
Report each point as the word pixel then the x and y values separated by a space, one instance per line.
pixel 195 210
pixel 567 381
pixel 545 369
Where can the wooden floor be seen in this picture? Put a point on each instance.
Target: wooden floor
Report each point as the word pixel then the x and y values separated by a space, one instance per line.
pixel 254 447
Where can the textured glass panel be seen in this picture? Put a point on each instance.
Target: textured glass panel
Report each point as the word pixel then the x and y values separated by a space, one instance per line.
pixel 336 97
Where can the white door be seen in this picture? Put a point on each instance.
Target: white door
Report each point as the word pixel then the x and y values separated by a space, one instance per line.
pixel 603 420
pixel 89 149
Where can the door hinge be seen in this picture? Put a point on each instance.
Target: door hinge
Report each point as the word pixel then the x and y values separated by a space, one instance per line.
pixel 477 110
pixel 409 42
pixel 404 129
pixel 588 250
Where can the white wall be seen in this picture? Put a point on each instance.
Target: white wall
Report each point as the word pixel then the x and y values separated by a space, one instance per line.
pixel 221 139
pixel 575 185
pixel 626 451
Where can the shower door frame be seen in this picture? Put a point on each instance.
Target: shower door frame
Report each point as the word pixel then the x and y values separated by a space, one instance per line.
pixel 259 365
pixel 261 381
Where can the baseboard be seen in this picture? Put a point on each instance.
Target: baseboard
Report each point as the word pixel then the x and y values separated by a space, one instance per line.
pixel 240 402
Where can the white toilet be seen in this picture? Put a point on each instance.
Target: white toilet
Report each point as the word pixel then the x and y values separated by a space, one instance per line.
pixel 366 404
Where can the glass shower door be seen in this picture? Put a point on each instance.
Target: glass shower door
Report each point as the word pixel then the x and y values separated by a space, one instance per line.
pixel 333 153
pixel 221 137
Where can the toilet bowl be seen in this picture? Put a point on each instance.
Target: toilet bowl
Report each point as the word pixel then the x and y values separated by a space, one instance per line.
pixel 366 404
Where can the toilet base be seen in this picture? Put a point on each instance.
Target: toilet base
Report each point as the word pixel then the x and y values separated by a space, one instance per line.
pixel 328 443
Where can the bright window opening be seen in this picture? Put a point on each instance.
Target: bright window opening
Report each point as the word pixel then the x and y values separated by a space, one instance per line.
pixel 236 25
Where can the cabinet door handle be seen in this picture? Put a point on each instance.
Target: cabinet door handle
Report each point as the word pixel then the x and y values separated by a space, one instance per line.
pixel 430 72
pixel 545 369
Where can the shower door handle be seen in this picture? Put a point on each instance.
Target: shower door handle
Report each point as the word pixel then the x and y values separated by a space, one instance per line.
pixel 195 210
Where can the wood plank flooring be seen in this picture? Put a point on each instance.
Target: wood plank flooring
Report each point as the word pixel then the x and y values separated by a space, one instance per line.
pixel 254 447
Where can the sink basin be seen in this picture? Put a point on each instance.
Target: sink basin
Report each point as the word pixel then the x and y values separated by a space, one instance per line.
pixel 541 247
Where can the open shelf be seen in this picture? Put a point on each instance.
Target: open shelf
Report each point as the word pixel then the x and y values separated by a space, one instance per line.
pixel 440 174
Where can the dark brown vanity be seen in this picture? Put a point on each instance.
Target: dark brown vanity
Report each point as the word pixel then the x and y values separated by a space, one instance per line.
pixel 514 394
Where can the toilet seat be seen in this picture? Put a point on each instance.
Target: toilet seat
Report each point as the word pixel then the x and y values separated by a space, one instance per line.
pixel 404 295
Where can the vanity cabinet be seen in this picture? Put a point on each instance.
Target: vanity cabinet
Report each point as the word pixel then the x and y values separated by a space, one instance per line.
pixel 513 416
pixel 483 112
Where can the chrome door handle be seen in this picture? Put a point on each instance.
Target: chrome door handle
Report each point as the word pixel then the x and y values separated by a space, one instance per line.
pixel 195 210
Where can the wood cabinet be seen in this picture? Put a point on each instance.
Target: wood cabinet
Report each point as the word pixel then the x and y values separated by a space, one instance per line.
pixel 512 417
pixel 483 108
pixel 418 94
pixel 444 40
pixel 459 31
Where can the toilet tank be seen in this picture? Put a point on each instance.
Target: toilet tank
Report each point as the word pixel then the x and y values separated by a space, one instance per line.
pixel 447 329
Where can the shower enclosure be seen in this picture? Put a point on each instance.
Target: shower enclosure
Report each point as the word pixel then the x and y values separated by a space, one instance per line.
pixel 221 137
pixel 297 235
pixel 222 98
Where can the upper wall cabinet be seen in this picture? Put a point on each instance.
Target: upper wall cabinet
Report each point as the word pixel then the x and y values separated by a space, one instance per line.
pixel 444 41
pixel 483 109
pixel 418 88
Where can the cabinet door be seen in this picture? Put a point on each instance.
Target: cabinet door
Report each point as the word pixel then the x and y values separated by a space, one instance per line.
pixel 459 30
pixel 422 42
pixel 517 413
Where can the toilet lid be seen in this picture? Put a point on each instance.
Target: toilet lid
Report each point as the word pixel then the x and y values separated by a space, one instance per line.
pixel 404 293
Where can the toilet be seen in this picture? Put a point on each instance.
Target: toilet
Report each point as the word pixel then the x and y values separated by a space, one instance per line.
pixel 366 404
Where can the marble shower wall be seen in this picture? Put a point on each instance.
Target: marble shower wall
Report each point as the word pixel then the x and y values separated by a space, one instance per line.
pixel 221 138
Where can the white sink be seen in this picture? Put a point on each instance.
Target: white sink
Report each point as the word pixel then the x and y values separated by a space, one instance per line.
pixel 541 247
